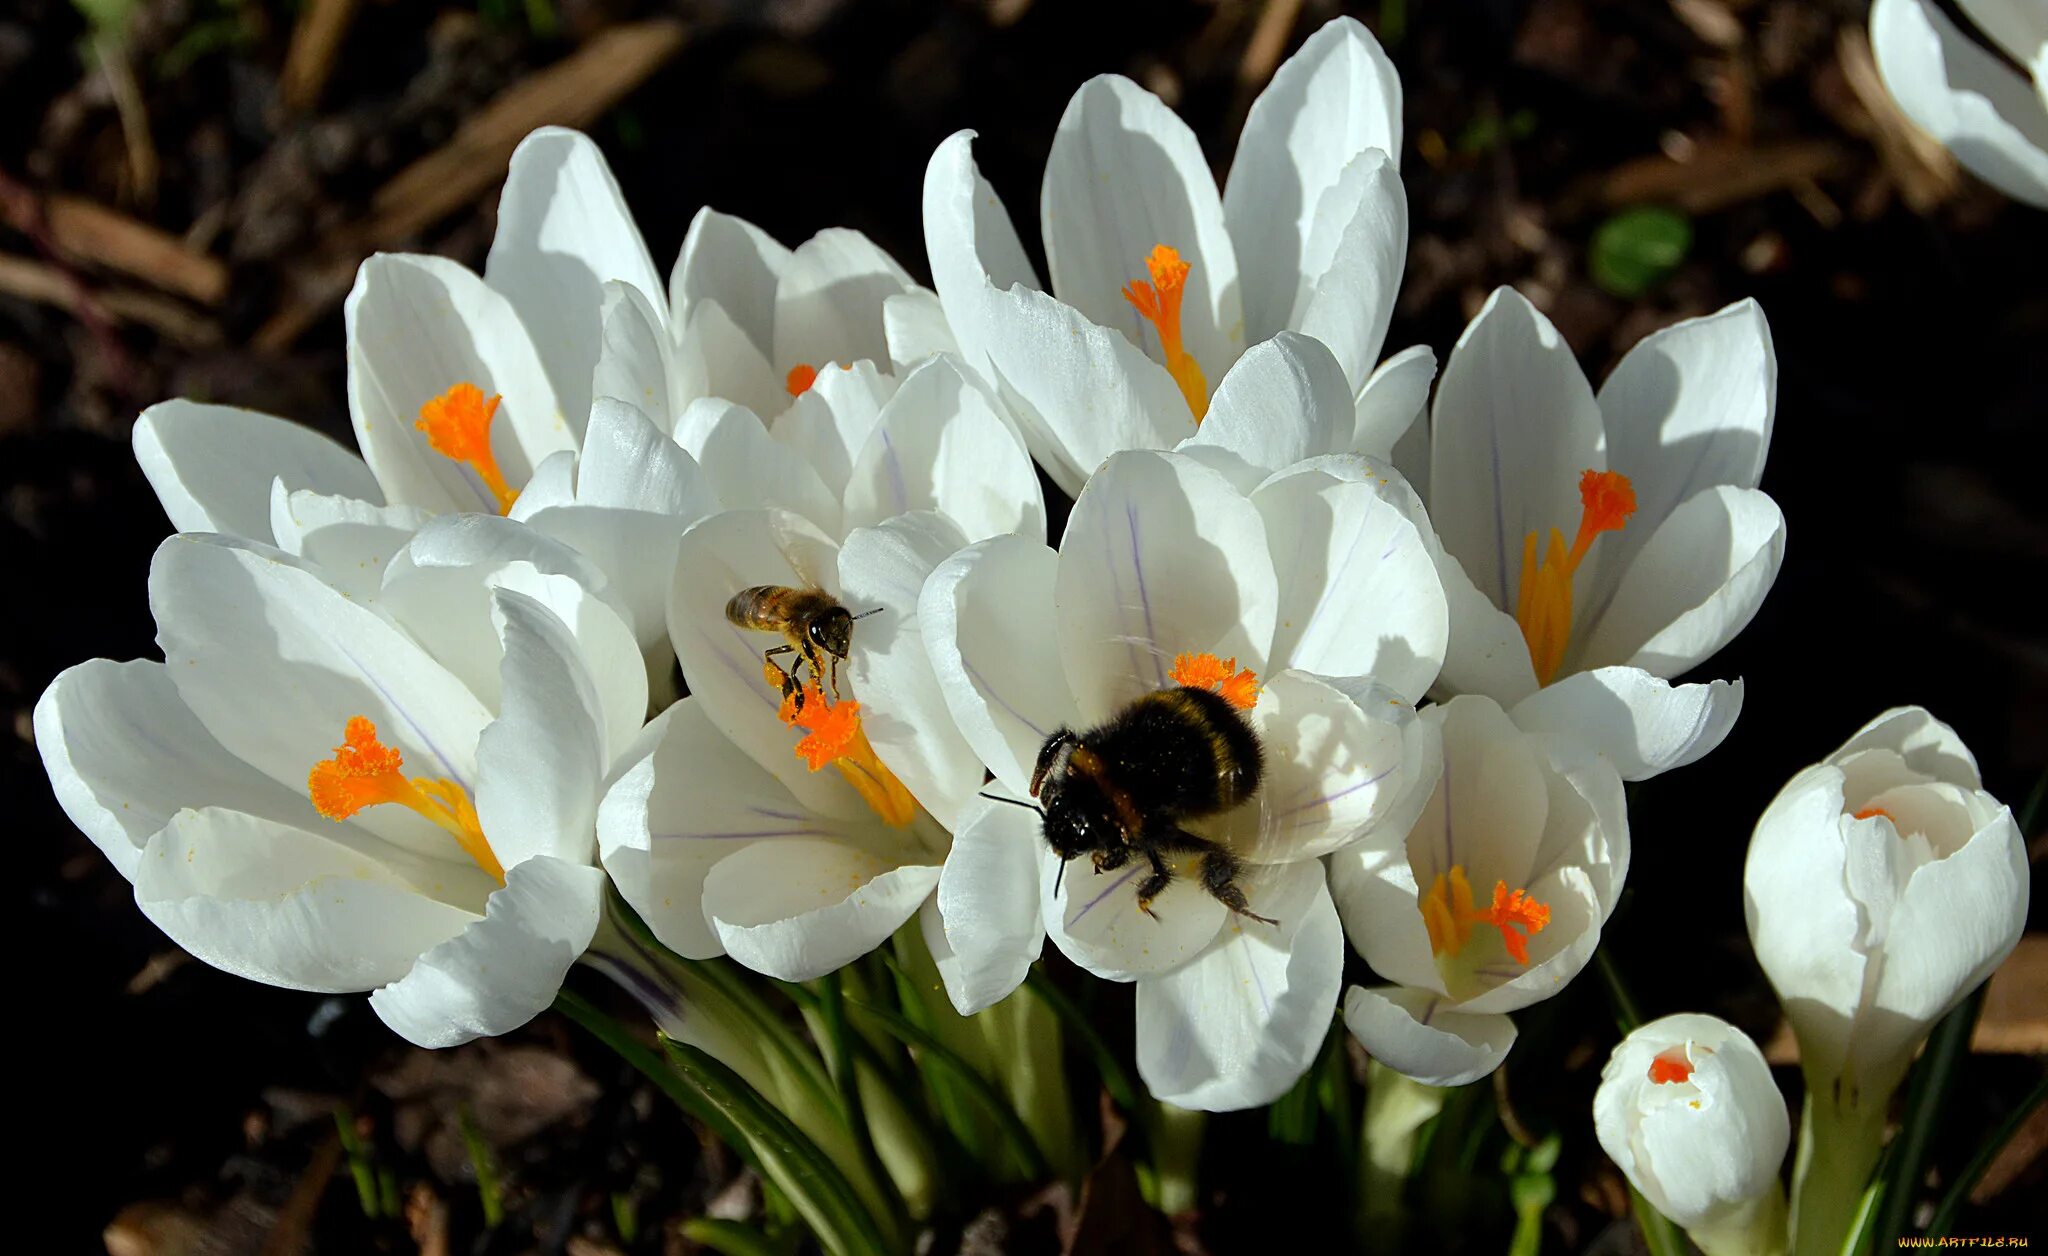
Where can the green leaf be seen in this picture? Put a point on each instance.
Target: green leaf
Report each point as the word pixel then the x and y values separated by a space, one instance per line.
pixel 1959 1190
pixel 1926 1096
pixel 732 1238
pixel 1114 1079
pixel 1637 249
pixel 1659 1234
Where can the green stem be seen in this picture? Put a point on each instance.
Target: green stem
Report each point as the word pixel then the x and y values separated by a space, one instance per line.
pixel 1758 1230
pixel 1107 1066
pixel 1987 1151
pixel 1176 1156
pixel 1396 1109
pixel 1627 1016
pixel 1030 1059
pixel 1841 1136
pixel 839 1038
pixel 1660 1234
pixel 1926 1094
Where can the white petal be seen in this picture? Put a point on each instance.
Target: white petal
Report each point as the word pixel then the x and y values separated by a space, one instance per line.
pixel 2020 27
pixel 418 326
pixel 988 622
pixel 503 970
pixel 971 244
pixel 938 445
pixel 1161 556
pixel 1416 1034
pixel 1095 920
pixel 1925 743
pixel 987 906
pixel 599 642
pixel 212 466
pixel 1391 401
pixel 285 906
pixel 629 463
pixel 634 356
pixel 540 763
pixel 1697 582
pixel 563 232
pixel 553 484
pixel 1359 592
pixel 798 908
pixel 903 708
pixel 1514 425
pixel 1285 400
pixel 124 754
pixel 1486 652
pixel 1126 174
pixel 914 323
pixel 1356 248
pixel 830 422
pixel 274 663
pixel 734 263
pixel 715 358
pixel 747 468
pixel 1239 1026
pixel 1335 98
pixel 829 305
pixel 1964 97
pixel 1643 724
pixel 350 540
pixel 636 552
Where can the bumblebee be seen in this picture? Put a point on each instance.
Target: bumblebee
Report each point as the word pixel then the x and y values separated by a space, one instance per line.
pixel 816 628
pixel 1124 788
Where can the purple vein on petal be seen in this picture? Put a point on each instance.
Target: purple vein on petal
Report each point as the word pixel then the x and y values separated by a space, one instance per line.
pixel 734 835
pixel 400 710
pixel 895 466
pixel 1144 598
pixel 1326 799
pixel 1091 904
pixel 981 683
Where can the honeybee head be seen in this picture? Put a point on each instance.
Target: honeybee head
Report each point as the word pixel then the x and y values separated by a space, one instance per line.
pixel 831 630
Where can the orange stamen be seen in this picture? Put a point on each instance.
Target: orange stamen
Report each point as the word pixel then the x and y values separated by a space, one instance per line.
pixel 1450 916
pixel 1544 605
pixel 364 772
pixel 1206 671
pixel 832 734
pixel 1158 303
pixel 1672 1064
pixel 1870 812
pixel 458 426
pixel 800 379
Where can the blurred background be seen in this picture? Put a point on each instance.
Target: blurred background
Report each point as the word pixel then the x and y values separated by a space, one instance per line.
pixel 187 185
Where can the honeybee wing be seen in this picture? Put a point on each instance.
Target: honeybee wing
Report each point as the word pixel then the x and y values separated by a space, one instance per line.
pixel 811 555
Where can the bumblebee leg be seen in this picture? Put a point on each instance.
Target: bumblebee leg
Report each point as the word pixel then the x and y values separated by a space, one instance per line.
pixel 1219 870
pixel 1155 885
pixel 1111 859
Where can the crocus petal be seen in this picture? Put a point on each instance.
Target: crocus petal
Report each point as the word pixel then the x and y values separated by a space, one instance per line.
pixel 1391 400
pixel 988 927
pixel 971 244
pixel 1964 97
pixel 212 466
pixel 716 358
pixel 599 643
pixel 634 356
pixel 1126 174
pixel 284 905
pixel 1359 588
pixel 1285 400
pixel 735 264
pixel 541 762
pixel 1419 1035
pixel 1697 582
pixel 1357 244
pixel 938 445
pixel 350 540
pixel 1095 920
pixel 418 326
pixel 1485 652
pixel 1514 426
pixel 629 463
pixel 831 422
pixel 1237 1027
pixel 748 468
pixel 125 754
pixel 882 570
pixel 563 231
pixel 1643 724
pixel 988 625
pixel 1335 98
pixel 1161 556
pixel 274 663
pixel 1926 744
pixel 798 908
pixel 828 307
pixel 2020 27
pixel 914 323
pixel 505 969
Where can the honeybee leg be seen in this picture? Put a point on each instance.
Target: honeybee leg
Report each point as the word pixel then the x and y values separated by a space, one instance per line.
pixel 1218 870
pixel 1155 885
pixel 834 671
pixel 778 675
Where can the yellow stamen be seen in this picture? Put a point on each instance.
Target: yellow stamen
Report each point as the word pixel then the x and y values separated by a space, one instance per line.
pixel 1543 607
pixel 364 772
pixel 832 734
pixel 1206 671
pixel 458 426
pixel 1450 916
pixel 1158 303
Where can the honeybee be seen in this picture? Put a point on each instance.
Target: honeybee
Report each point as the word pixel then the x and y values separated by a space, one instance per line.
pixel 814 626
pixel 1125 787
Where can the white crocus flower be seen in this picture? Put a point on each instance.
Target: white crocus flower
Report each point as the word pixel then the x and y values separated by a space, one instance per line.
pixel 326 795
pixel 1595 547
pixel 796 838
pixel 1169 574
pixel 1688 1111
pixel 1982 110
pixel 1883 884
pixel 1159 284
pixel 1493 902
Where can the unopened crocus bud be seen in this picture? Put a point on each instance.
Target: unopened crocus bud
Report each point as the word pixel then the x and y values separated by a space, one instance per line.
pixel 1689 1112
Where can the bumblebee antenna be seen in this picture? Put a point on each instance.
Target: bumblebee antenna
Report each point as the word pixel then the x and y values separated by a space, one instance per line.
pixel 1028 806
pixel 1059 878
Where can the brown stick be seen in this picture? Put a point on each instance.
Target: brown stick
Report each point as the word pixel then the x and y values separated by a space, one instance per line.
pixel 316 38
pixel 1720 174
pixel 572 92
pixel 1268 41
pixel 93 234
pixel 36 281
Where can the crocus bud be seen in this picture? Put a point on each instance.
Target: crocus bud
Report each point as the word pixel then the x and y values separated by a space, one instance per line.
pixel 1883 885
pixel 1689 1112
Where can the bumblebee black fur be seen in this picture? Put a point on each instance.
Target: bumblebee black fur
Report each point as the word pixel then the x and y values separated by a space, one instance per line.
pixel 1125 787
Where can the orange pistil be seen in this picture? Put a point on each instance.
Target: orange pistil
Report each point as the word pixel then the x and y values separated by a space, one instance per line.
pixel 458 426
pixel 832 734
pixel 1672 1064
pixel 1158 303
pixel 364 772
pixel 1544 608
pixel 1450 915
pixel 1206 671
pixel 1872 812
pixel 800 379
